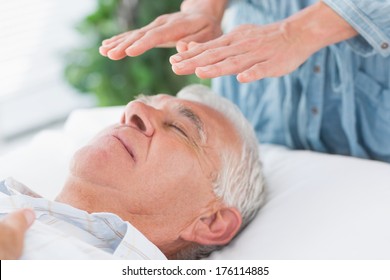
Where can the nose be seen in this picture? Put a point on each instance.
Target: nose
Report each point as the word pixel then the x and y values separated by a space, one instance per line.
pixel 139 115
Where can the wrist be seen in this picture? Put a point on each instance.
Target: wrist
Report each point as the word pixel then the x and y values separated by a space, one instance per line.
pixel 214 8
pixel 318 26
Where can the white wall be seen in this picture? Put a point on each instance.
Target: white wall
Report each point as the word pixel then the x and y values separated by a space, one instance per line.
pixel 34 35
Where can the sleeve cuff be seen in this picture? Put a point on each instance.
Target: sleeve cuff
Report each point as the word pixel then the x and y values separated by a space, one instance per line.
pixel 372 39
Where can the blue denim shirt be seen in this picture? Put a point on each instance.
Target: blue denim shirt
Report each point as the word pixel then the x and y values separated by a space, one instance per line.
pixel 338 101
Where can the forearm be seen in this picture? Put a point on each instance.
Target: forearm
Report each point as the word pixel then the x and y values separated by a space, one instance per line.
pixel 318 26
pixel 215 8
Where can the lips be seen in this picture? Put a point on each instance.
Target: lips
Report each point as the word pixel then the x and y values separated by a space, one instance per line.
pixel 125 145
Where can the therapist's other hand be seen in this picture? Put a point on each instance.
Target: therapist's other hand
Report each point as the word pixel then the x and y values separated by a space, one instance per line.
pixel 254 52
pixel 12 230
pixel 164 31
pixel 250 51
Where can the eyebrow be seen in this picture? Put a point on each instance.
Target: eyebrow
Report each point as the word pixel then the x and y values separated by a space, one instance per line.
pixel 184 111
pixel 194 119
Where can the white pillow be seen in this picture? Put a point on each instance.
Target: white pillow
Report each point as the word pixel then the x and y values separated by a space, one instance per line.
pixel 318 206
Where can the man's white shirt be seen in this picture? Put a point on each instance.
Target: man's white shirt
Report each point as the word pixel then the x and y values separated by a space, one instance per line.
pixel 61 231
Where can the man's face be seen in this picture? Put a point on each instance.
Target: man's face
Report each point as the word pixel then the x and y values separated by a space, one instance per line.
pixel 156 166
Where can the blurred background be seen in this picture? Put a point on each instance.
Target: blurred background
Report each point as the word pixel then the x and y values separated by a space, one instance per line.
pixel 50 64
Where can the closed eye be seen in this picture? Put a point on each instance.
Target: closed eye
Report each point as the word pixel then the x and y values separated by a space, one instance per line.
pixel 178 128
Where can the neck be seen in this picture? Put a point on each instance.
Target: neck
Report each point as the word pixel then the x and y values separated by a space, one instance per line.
pixel 93 198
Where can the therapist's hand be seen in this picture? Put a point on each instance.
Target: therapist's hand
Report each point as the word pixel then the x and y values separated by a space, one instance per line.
pixel 164 31
pixel 254 52
pixel 197 21
pixel 12 230
pixel 251 51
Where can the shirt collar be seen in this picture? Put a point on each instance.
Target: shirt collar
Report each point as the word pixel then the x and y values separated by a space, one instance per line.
pixel 125 241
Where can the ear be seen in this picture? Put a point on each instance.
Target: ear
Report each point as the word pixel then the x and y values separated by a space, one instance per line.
pixel 215 229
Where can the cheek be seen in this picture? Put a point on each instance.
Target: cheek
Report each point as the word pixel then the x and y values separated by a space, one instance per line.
pixel 101 164
pixel 175 159
pixel 174 166
pixel 176 183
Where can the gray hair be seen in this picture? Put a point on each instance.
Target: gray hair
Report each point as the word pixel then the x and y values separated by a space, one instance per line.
pixel 240 182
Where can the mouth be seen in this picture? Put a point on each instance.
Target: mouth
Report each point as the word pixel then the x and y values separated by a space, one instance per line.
pixel 128 149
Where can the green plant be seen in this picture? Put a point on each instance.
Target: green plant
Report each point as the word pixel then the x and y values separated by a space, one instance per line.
pixel 117 82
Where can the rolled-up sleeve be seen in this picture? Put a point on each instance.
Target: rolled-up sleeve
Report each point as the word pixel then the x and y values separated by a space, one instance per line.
pixel 371 18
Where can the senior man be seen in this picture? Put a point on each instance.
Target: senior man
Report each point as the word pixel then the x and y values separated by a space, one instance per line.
pixel 175 178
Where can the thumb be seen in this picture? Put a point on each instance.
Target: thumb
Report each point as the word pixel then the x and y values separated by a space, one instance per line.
pixel 181 46
pixel 20 220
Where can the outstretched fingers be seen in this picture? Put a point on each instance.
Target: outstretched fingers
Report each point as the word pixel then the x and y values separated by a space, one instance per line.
pixel 261 70
pixel 230 66
pixel 117 47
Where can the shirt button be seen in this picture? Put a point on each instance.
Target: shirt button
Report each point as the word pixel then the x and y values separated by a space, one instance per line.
pixel 317 69
pixel 385 45
pixel 314 110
